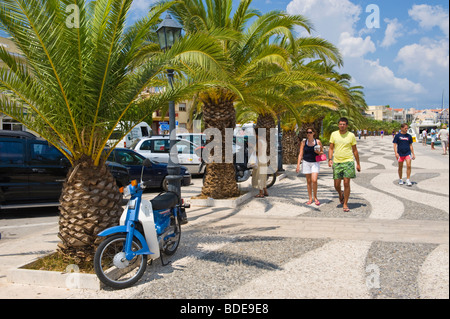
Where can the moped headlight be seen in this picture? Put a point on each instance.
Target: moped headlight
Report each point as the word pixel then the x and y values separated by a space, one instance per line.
pixel 125 191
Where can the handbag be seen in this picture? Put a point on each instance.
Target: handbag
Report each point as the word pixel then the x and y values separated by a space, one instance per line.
pixel 253 160
pixel 321 158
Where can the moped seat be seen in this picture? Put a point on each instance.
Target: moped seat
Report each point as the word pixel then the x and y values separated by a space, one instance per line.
pixel 164 201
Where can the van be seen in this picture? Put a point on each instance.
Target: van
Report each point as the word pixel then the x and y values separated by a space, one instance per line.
pixel 138 132
pixel 32 171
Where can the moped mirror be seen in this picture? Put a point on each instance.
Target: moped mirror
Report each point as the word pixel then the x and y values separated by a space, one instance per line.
pixel 145 163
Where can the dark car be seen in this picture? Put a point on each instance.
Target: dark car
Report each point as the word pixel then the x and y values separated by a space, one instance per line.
pixel 156 173
pixel 32 171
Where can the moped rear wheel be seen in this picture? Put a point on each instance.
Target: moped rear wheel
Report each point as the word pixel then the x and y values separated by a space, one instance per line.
pixel 172 243
pixel 271 179
pixel 111 266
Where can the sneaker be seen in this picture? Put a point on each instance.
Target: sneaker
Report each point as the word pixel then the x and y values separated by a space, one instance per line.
pixel 408 182
pixel 400 182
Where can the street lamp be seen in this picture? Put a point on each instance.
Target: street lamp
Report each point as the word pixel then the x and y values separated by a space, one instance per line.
pixel 168 32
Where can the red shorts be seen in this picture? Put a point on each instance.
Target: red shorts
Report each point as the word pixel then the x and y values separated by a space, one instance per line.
pixel 403 158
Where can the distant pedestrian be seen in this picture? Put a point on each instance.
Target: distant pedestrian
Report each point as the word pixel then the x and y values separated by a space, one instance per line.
pixel 259 174
pixel 343 147
pixel 433 138
pixel 443 135
pixel 404 152
pixel 309 149
pixel 382 133
pixel 365 134
pixel 424 137
pixel 359 134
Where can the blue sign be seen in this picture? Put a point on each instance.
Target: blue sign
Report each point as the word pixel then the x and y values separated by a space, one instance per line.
pixel 164 126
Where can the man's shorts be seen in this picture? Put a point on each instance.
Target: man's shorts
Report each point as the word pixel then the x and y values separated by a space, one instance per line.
pixel 401 159
pixel 344 170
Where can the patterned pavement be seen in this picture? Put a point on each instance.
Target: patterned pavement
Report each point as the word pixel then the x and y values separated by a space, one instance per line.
pixel 394 243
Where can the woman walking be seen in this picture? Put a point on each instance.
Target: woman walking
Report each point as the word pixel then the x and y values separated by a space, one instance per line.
pixel 259 174
pixel 309 149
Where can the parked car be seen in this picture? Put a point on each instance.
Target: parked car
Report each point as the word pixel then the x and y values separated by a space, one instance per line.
pixel 32 171
pixel 157 148
pixel 156 173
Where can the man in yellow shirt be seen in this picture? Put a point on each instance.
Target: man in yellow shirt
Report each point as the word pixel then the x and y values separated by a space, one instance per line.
pixel 343 146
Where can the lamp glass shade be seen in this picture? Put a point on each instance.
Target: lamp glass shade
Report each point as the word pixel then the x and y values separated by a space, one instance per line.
pixel 168 32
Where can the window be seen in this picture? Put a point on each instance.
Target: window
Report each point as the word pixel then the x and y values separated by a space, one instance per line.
pixel 44 154
pixel 146 145
pixel 12 125
pixel 11 153
pixel 160 146
pixel 182 107
pixel 128 158
pixel 144 131
pixel 184 147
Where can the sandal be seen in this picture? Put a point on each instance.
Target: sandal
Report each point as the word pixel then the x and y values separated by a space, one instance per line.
pixel 309 202
pixel 346 210
pixel 259 196
pixel 317 202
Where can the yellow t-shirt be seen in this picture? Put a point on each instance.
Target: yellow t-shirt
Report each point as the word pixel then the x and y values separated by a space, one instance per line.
pixel 343 146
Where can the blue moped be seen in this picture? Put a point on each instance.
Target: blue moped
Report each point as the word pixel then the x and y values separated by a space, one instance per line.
pixel 147 228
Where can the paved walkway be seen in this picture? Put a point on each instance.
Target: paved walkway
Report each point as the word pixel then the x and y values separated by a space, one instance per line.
pixel 393 244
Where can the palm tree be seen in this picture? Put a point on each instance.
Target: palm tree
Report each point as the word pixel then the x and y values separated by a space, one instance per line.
pixel 304 100
pixel 77 83
pixel 253 56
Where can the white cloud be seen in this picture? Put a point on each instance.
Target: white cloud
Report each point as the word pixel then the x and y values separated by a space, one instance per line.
pixel 428 58
pixel 355 46
pixel 336 21
pixel 330 17
pixel 430 16
pixel 393 31
pixel 381 85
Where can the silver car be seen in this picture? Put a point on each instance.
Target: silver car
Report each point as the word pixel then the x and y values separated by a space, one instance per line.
pixel 157 148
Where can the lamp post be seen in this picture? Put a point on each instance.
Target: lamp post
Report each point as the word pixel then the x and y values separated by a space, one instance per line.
pixel 280 146
pixel 168 32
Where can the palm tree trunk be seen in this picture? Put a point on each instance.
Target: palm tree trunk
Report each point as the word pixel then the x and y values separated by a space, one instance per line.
pixel 218 112
pixel 90 202
pixel 266 121
pixel 291 147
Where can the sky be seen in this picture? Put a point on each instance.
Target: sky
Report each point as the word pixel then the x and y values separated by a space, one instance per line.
pixel 398 50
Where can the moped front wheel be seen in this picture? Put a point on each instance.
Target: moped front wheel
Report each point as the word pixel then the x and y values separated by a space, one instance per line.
pixel 111 266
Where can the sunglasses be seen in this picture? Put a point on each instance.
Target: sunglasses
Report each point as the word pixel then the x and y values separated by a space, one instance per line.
pixel 310 132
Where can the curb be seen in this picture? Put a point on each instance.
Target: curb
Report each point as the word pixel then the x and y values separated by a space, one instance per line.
pixel 227 203
pixel 70 279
